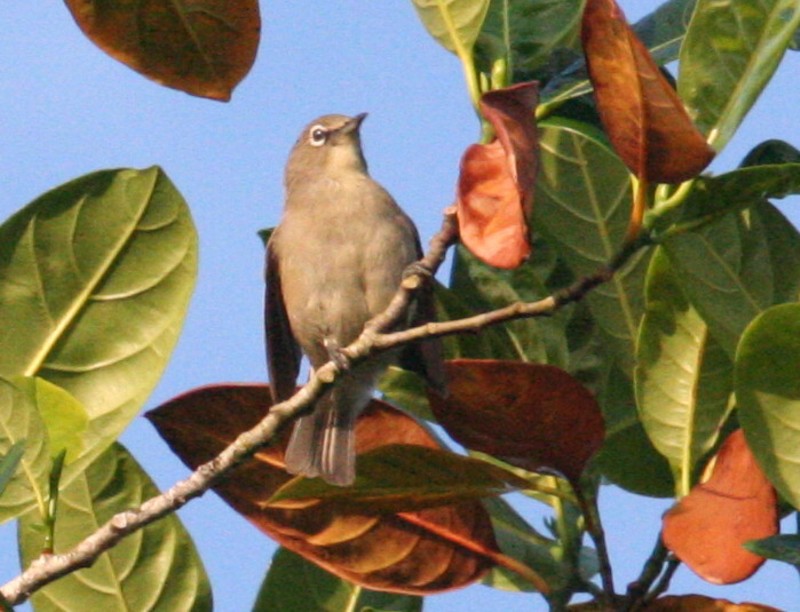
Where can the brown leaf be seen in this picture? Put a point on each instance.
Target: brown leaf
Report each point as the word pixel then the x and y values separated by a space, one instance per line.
pixel 701 603
pixel 202 47
pixel 496 182
pixel 641 112
pixel 529 415
pixel 707 528
pixel 421 552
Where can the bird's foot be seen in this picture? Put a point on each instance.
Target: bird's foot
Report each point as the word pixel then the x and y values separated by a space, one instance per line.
pixel 336 354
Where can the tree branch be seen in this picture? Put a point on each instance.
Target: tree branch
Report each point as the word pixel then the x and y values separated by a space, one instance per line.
pixel 48 568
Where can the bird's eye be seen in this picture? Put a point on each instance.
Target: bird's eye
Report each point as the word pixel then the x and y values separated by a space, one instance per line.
pixel 317 135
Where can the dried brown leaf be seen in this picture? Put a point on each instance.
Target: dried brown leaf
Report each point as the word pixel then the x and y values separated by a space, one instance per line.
pixel 202 47
pixel 496 182
pixel 529 415
pixel 641 111
pixel 425 551
pixel 707 528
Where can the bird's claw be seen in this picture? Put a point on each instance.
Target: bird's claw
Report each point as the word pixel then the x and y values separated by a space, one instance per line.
pixel 336 355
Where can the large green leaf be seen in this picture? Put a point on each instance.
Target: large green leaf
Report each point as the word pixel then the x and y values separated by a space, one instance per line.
pixel 156 568
pixel 662 32
pixel 95 278
pixel 731 50
pixel 20 422
pixel 455 24
pixel 684 380
pixel 296 585
pixel 768 395
pixel 583 207
pixel 525 34
pixel 735 268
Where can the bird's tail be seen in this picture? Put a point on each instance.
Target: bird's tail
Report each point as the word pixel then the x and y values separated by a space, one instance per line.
pixel 323 442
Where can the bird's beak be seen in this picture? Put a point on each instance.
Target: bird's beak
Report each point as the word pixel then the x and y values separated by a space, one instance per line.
pixel 354 124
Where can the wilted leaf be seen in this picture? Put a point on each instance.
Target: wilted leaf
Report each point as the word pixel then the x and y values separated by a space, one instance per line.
pixel 531 416
pixel 404 477
pixel 156 568
pixel 684 380
pixel 768 395
pixel 730 52
pixel 95 280
pixel 641 112
pixel 701 603
pixel 707 528
pixel 411 552
pixel 295 585
pixel 202 47
pixel 453 23
pixel 496 182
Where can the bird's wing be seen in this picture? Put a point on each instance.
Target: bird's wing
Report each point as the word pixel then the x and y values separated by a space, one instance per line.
pixel 283 352
pixel 425 357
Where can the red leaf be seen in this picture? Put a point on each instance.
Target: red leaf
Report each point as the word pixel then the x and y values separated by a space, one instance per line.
pixel 641 112
pixel 529 415
pixel 425 551
pixel 707 528
pixel 701 603
pixel 496 183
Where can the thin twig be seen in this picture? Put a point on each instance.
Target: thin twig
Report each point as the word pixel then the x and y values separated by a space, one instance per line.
pixel 48 568
pixel 650 571
pixel 591 514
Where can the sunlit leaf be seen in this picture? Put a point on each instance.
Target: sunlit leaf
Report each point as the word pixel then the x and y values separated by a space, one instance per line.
pixel 295 585
pixel 455 24
pixel 641 112
pixel 531 416
pixel 496 180
pixel 768 395
pixel 730 52
pixel 707 528
pixel 420 552
pixel 198 46
pixel 10 462
pixel 95 279
pixel 583 206
pixel 400 477
pixel 684 379
pixel 156 568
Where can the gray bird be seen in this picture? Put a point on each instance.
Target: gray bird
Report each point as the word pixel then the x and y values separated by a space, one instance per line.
pixel 335 261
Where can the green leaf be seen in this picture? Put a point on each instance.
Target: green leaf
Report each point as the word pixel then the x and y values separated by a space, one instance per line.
pixel 628 457
pixel 95 279
pixel 771 152
pixel 64 417
pixel 735 268
pixel 20 423
pixel 731 50
pixel 662 32
pixel 684 380
pixel 583 207
pixel 157 568
pixel 296 585
pixel 525 34
pixel 455 24
pixel 784 548
pixel 10 462
pixel 406 390
pixel 768 395
pixel 517 539
pixel 405 477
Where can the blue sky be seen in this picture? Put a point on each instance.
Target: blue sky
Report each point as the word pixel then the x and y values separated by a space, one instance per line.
pixel 68 109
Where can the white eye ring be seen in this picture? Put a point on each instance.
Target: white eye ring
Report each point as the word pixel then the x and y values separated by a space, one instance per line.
pixel 317 136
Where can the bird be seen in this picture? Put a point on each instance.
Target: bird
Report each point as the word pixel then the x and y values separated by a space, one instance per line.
pixel 335 260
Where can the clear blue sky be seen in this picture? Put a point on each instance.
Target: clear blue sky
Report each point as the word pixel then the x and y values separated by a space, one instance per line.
pixel 68 109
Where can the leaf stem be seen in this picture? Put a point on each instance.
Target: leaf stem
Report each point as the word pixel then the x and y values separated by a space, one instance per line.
pixel 587 498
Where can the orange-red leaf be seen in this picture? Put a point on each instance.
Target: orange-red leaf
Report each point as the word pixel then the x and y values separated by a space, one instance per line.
pixel 425 551
pixel 701 603
pixel 642 114
pixel 496 183
pixel 707 528
pixel 529 415
pixel 202 47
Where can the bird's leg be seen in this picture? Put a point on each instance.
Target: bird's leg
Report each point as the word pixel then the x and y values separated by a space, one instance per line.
pixel 336 355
